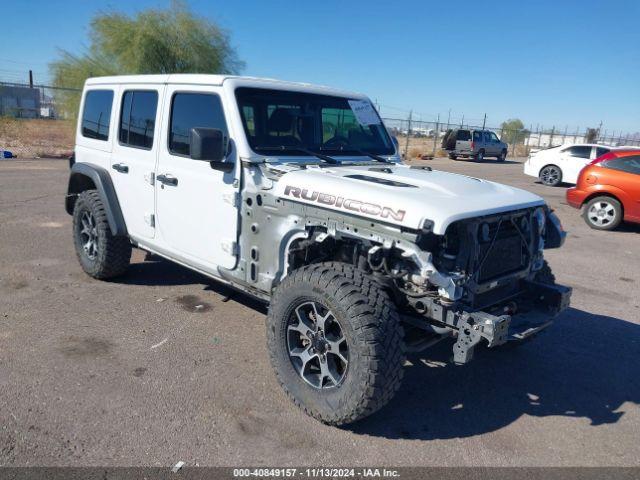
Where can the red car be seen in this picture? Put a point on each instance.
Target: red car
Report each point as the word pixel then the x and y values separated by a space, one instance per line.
pixel 608 190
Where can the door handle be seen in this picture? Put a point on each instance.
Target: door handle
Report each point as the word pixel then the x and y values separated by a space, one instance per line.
pixel 167 179
pixel 120 167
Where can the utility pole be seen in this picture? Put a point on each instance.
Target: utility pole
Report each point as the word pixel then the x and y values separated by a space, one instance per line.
pixel 462 121
pixel 30 78
pixel 406 144
pixel 599 130
pixel 553 130
pixel 448 119
pixel 484 122
pixel 435 135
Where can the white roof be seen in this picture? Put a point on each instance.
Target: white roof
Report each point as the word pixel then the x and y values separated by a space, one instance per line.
pixel 206 79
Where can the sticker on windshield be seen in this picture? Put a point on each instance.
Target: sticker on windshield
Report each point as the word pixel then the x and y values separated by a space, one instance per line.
pixel 364 112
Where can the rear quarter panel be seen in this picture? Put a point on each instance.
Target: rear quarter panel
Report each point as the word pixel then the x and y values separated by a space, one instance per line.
pixel 619 184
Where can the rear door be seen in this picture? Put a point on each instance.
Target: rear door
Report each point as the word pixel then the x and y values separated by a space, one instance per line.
pixel 573 160
pixel 135 151
pixel 196 213
pixel 463 141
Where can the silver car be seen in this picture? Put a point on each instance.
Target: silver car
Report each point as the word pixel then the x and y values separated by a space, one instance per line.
pixel 478 144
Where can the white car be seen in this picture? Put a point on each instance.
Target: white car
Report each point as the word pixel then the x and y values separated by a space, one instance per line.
pixel 562 164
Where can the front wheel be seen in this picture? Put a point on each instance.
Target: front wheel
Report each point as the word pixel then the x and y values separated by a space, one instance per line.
pixel 603 213
pixel 335 341
pixel 101 255
pixel 503 156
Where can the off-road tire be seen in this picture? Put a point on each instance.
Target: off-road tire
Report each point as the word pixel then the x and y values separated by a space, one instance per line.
pixel 479 157
pixel 112 253
pixel 503 155
pixel 603 199
pixel 373 333
pixel 545 275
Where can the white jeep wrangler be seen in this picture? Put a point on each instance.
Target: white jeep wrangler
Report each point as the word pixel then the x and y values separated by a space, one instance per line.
pixel 295 194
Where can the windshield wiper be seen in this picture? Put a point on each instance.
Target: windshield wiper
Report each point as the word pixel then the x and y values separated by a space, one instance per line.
pixel 377 158
pixel 292 148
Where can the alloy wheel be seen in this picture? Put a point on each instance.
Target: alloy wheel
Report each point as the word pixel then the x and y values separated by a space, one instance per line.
pixel 550 175
pixel 601 213
pixel 89 235
pixel 317 346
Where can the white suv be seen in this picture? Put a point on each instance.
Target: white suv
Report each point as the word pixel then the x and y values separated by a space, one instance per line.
pixel 295 194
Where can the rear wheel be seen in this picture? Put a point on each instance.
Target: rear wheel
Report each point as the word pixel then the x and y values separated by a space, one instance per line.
pixel 101 255
pixel 335 342
pixel 453 156
pixel 479 157
pixel 603 213
pixel 551 175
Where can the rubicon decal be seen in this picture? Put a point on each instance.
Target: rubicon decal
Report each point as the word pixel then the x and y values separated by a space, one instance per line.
pixel 344 203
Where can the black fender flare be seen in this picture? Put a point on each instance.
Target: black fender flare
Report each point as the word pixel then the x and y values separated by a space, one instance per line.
pixel 86 176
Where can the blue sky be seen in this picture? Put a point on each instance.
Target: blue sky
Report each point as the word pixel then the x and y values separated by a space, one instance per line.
pixel 562 63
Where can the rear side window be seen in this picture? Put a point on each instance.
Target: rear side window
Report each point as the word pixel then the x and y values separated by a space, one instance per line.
pixel 601 151
pixel 477 136
pixel 96 115
pixel 138 118
pixel 193 110
pixel 487 137
pixel 463 135
pixel 579 151
pixel 625 164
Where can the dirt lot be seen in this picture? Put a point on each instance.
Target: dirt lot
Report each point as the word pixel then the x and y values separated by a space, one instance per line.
pixel 37 137
pixel 130 372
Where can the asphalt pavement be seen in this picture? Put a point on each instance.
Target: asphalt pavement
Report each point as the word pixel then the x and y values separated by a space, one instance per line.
pixel 158 366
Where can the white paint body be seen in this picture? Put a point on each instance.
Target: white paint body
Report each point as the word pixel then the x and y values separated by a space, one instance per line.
pixel 196 222
pixel 439 197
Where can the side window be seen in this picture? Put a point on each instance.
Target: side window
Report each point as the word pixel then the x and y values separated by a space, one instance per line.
pixel 96 115
pixel 494 137
pixel 249 117
pixel 487 137
pixel 463 135
pixel 601 151
pixel 477 136
pixel 193 110
pixel 626 164
pixel 580 151
pixel 138 118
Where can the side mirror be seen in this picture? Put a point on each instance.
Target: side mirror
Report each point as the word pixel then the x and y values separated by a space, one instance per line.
pixel 210 145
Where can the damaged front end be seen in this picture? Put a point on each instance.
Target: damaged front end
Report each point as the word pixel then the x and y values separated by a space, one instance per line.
pixel 484 280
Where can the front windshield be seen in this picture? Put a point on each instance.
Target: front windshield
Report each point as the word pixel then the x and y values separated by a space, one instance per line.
pixel 279 122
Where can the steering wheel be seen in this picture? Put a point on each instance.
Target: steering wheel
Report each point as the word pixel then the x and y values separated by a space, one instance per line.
pixel 336 142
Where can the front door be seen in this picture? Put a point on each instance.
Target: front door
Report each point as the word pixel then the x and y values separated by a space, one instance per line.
pixel 196 213
pixel 134 155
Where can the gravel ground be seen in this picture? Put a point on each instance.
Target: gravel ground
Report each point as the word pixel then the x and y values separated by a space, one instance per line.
pixel 131 373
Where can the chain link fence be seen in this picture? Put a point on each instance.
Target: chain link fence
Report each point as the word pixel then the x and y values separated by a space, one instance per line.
pixel 419 138
pixel 22 100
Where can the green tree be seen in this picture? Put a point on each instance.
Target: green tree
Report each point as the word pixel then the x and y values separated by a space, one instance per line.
pixel 174 40
pixel 513 131
pixel 592 135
